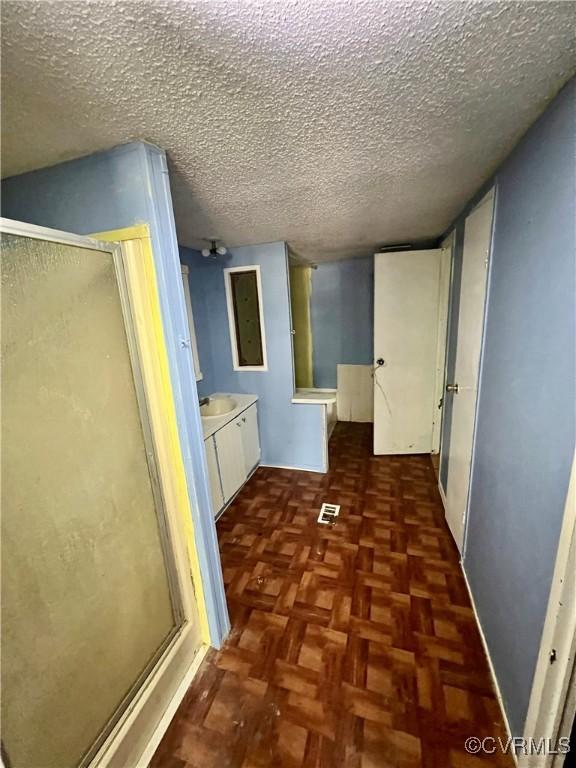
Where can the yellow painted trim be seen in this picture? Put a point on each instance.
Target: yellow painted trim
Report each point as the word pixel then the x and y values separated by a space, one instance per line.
pixel 141 275
pixel 136 232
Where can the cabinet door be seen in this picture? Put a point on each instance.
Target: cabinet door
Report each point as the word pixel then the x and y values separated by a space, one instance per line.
pixel 230 457
pixel 250 438
pixel 214 476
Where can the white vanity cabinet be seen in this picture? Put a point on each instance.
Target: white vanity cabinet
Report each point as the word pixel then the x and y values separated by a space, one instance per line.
pixel 232 452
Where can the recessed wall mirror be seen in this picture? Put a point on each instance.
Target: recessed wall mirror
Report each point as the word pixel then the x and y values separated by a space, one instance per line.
pixel 245 317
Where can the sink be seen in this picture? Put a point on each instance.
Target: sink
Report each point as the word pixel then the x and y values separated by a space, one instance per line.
pixel 218 406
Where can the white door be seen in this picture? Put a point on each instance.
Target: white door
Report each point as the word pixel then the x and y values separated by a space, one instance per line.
pixel 214 475
pixel 406 288
pixel 250 439
pixel 464 388
pixel 230 458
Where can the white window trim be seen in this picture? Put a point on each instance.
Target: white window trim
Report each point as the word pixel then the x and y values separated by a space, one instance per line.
pixel 192 328
pixel 231 322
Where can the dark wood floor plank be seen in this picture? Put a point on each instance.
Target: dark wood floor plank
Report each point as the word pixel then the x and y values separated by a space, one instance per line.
pixel 352 645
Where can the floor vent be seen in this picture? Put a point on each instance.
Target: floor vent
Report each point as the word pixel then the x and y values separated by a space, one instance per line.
pixel 328 513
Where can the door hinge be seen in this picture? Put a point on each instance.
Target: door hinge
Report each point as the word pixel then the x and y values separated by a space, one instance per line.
pixel 553 656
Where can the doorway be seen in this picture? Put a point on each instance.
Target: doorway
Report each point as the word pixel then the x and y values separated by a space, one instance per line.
pixel 99 621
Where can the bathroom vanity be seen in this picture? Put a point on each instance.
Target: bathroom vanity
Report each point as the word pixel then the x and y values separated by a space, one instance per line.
pixel 232 443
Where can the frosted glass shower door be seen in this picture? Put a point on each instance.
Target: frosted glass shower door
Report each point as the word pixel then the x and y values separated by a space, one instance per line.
pixel 90 601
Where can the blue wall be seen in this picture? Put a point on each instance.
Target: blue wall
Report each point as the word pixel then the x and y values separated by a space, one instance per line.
pixel 342 317
pixel 525 429
pixel 111 190
pixel 291 435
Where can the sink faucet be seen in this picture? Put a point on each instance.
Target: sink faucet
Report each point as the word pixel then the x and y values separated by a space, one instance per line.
pixel 203 400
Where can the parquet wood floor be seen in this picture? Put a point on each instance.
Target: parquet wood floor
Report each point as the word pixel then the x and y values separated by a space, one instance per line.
pixel 352 645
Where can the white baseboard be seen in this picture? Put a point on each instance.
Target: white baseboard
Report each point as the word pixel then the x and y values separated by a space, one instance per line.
pixel 490 665
pixel 170 711
pixel 442 496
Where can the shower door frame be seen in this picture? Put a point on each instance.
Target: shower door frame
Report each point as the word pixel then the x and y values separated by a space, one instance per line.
pixel 128 731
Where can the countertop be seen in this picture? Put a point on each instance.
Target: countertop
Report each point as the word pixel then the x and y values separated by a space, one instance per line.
pixel 214 423
pixel 315 397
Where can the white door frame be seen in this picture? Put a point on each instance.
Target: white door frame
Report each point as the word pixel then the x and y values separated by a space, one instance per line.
pixel 444 286
pixel 552 704
pixel 452 239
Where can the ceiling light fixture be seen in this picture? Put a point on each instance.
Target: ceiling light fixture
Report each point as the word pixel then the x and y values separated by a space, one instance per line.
pixel 214 251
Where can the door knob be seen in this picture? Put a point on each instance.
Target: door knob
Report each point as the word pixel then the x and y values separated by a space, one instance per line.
pixel 452 388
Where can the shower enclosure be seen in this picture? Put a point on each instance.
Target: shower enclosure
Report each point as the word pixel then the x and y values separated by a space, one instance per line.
pixel 95 600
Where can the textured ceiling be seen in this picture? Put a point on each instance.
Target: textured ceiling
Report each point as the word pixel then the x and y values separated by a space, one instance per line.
pixel 337 125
